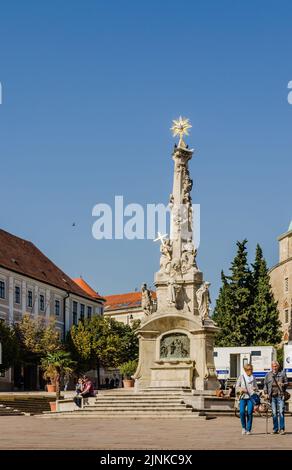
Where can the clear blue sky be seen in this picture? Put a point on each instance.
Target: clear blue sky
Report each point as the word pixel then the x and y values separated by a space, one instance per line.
pixel 89 92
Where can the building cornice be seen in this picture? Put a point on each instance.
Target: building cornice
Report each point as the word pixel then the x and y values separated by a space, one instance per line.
pixel 284 235
pixel 280 264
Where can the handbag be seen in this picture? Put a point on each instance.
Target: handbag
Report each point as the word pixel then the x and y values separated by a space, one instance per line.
pixel 286 395
pixel 254 397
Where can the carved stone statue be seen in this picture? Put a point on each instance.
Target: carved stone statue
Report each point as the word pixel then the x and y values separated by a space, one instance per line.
pixel 204 300
pixel 172 291
pixel 147 301
pixel 188 259
pixel 166 248
pixel 166 256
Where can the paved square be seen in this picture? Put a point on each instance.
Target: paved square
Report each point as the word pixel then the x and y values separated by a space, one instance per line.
pixel 30 432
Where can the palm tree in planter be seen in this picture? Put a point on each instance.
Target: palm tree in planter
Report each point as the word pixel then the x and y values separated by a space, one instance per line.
pixel 55 365
pixel 127 370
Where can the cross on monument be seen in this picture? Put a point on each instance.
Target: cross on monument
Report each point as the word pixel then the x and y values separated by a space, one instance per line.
pixel 160 237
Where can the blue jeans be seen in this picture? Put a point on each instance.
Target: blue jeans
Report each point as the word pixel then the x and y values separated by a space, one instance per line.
pixel 278 409
pixel 246 421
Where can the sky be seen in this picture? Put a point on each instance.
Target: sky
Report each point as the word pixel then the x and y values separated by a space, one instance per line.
pixel 89 91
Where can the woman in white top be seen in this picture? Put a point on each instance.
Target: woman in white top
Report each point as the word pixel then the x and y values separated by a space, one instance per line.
pixel 246 386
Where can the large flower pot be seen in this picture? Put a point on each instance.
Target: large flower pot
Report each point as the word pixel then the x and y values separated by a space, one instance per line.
pixel 128 383
pixel 51 388
pixel 53 405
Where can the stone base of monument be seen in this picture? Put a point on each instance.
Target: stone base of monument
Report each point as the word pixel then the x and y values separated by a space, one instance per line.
pixel 167 402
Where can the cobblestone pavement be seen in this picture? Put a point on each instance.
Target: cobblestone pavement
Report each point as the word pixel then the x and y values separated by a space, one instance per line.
pixel 28 432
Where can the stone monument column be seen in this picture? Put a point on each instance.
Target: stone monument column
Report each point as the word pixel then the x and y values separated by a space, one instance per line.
pixel 176 340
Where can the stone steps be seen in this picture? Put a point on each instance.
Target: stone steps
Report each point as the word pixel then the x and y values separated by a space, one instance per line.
pixel 128 415
pixel 137 407
pixel 31 405
pixel 168 404
pixel 139 400
pixel 8 411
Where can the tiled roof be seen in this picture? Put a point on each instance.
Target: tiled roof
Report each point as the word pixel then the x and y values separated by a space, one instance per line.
pixel 23 257
pixel 86 287
pixel 124 301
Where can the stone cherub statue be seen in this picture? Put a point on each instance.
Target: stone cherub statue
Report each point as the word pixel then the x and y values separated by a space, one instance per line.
pixel 147 301
pixel 204 300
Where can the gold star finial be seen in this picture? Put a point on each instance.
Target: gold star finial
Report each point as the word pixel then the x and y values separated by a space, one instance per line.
pixel 180 127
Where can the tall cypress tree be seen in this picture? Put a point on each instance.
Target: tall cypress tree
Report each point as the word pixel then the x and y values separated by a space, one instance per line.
pixel 264 313
pixel 232 311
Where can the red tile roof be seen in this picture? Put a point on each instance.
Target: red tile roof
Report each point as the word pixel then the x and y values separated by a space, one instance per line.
pixel 23 257
pixel 86 287
pixel 124 301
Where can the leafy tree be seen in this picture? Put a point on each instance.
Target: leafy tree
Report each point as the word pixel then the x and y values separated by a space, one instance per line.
pixel 102 341
pixel 10 349
pixel 232 312
pixel 264 313
pixel 36 338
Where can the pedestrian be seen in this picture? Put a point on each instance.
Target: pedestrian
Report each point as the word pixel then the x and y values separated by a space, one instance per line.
pixel 246 387
pixel 78 389
pixel 275 385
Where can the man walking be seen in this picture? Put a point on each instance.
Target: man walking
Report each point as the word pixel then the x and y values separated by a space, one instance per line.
pixel 274 386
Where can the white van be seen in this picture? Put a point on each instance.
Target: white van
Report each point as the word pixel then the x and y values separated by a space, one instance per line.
pixel 287 361
pixel 229 362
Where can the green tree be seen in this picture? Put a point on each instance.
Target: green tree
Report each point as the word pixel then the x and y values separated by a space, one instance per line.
pixel 10 349
pixel 245 309
pixel 36 338
pixel 232 310
pixel 102 341
pixel 264 313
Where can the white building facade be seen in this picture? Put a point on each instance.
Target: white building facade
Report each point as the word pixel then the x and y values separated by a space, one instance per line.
pixel 31 283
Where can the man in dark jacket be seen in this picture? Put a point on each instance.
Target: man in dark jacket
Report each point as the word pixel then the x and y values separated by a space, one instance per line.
pixel 275 385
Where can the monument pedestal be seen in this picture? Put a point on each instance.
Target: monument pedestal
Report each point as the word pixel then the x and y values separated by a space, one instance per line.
pixel 175 351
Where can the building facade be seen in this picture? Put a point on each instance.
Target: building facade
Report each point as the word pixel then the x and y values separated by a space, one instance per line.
pixel 125 308
pixel 31 283
pixel 281 283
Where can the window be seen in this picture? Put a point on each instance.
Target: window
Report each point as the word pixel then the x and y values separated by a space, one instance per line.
pixel 57 308
pixel 215 354
pixel 17 294
pixel 256 353
pixel 75 305
pixel 42 302
pixel 29 298
pixel 99 310
pixel 287 316
pixel 286 284
pixel 2 290
pixel 89 312
pixel 82 310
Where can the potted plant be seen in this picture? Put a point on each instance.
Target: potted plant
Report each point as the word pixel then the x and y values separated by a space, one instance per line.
pixel 127 370
pixel 51 376
pixel 55 366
